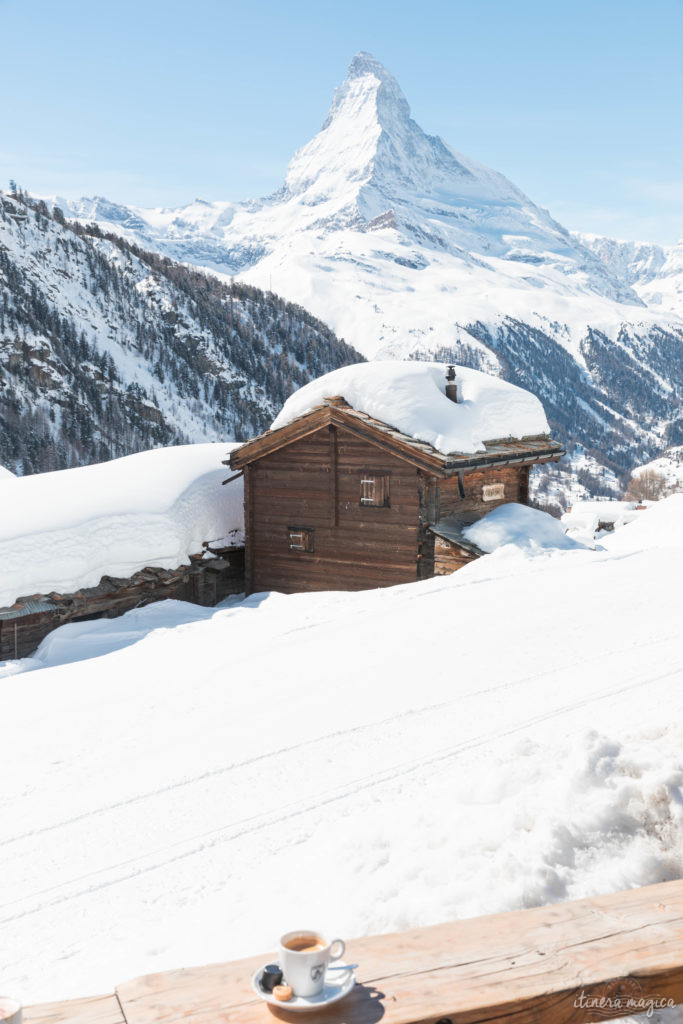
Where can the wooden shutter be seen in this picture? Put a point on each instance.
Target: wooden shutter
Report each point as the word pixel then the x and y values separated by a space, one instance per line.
pixel 374 489
pixel 300 538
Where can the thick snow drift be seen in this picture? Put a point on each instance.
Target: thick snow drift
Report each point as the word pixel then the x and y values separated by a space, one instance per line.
pixel 653 528
pixel 65 530
pixel 411 396
pixel 521 526
pixel 531 752
pixel 6 474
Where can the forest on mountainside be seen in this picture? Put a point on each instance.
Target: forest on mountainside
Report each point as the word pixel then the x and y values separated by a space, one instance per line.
pixel 106 349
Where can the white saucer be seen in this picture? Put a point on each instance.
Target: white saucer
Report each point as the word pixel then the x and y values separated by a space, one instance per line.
pixel 338 983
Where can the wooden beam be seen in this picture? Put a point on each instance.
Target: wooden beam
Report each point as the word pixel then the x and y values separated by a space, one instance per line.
pixel 399 445
pixel 248 527
pixel 92 1010
pixel 334 477
pixel 540 966
pixel 273 440
pixel 569 963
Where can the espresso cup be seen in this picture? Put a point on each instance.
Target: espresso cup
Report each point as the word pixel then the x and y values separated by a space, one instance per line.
pixel 304 957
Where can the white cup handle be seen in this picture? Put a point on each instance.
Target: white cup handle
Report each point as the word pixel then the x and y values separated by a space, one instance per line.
pixel 341 944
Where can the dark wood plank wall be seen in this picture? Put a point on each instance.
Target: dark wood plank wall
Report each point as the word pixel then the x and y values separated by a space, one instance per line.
pixel 472 506
pixel 354 546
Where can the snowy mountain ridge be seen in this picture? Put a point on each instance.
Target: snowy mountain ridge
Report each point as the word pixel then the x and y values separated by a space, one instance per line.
pixel 371 168
pixel 412 250
pixel 655 272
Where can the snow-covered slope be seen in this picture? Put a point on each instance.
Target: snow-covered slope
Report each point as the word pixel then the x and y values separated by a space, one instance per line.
pixel 669 465
pixel 65 530
pixel 106 350
pixel 436 783
pixel 407 247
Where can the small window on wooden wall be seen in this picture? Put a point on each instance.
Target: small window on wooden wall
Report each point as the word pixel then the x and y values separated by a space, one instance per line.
pixel 374 489
pixel 493 492
pixel 300 538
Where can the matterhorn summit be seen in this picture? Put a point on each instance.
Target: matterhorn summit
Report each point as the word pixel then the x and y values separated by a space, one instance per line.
pixel 373 162
pixel 369 140
pixel 410 249
pixel 381 199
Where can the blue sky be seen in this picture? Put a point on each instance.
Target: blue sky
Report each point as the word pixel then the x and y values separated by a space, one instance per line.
pixel 156 103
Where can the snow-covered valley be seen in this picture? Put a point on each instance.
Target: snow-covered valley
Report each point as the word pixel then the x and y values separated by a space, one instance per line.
pixel 503 737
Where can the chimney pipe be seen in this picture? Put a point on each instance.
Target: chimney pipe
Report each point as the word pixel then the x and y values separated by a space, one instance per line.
pixel 451 385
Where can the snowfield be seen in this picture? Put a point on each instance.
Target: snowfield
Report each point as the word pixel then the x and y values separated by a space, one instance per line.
pixel 65 530
pixel 411 396
pixel 504 737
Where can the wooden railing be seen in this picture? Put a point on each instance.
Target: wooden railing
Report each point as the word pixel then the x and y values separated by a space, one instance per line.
pixel 590 960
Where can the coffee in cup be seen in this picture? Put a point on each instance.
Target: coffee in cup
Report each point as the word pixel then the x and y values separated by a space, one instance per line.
pixel 304 958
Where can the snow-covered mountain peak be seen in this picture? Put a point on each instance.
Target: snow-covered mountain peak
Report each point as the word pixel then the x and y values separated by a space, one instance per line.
pixel 370 140
pixel 399 241
pixel 365 64
pixel 369 81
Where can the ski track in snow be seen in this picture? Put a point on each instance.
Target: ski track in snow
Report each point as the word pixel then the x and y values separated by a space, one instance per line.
pixel 330 737
pixel 380 740
pixel 348 790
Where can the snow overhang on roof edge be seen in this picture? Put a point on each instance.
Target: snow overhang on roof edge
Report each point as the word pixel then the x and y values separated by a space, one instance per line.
pixel 501 451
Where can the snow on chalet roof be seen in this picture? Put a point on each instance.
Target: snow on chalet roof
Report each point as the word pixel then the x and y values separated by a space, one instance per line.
pixel 411 396
pixel 65 530
pixel 527 528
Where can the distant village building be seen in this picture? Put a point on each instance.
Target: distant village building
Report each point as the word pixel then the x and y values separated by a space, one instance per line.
pixel 336 498
pixel 588 520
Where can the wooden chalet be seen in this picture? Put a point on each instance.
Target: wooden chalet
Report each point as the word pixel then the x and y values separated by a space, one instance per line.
pixel 337 500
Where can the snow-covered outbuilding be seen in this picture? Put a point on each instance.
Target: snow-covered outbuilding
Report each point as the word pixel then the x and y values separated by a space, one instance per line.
pixel 370 474
pixel 587 520
pixel 96 541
